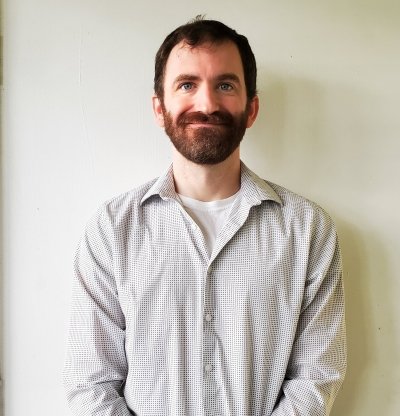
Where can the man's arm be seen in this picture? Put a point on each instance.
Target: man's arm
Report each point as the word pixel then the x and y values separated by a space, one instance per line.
pixel 96 367
pixel 318 361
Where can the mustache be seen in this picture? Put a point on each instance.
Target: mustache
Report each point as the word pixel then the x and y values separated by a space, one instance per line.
pixel 218 117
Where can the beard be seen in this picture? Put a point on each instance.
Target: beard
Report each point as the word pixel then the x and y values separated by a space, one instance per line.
pixel 209 144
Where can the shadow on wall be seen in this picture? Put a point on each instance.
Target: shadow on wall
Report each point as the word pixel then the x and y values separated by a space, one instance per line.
pixel 287 133
pixel 358 344
pixel 309 134
pixel 371 335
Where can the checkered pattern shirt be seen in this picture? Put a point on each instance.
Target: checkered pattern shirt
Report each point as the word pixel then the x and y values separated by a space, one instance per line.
pixel 161 328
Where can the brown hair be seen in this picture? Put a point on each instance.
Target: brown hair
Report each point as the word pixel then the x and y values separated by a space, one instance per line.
pixel 197 32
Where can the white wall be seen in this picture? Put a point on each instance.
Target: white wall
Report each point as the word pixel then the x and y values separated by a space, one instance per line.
pixel 78 129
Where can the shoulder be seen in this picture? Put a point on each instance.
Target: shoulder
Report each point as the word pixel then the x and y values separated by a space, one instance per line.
pixel 128 201
pixel 280 200
pixel 300 210
pixel 121 208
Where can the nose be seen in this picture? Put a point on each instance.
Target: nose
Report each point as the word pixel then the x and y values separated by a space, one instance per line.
pixel 207 100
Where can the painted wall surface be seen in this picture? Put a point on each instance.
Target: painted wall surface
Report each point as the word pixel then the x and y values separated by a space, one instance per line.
pixel 78 129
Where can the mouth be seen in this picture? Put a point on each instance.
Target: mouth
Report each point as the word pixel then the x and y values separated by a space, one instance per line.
pixel 198 119
pixel 205 124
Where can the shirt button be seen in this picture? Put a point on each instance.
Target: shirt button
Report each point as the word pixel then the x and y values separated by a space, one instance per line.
pixel 208 317
pixel 208 367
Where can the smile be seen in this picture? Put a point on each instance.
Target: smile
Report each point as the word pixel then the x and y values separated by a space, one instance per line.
pixel 205 124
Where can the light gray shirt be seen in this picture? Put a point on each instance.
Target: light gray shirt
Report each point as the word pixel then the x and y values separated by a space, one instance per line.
pixel 161 328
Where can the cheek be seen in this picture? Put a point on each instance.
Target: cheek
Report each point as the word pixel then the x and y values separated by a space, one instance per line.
pixel 179 104
pixel 234 105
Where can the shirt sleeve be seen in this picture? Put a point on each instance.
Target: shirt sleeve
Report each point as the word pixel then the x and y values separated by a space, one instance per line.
pixel 318 360
pixel 96 368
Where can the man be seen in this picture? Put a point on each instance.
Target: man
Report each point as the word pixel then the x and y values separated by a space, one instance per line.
pixel 208 291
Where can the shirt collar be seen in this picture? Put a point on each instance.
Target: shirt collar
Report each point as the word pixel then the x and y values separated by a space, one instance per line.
pixel 164 187
pixel 253 188
pixel 256 189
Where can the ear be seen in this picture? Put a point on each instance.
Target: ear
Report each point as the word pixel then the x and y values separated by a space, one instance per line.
pixel 253 111
pixel 157 109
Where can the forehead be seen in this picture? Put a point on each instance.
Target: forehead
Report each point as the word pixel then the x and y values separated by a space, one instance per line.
pixel 207 59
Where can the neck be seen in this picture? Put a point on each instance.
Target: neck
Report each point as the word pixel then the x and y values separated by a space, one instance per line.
pixel 207 182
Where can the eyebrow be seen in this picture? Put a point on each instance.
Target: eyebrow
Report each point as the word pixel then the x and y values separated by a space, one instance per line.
pixel 223 77
pixel 228 77
pixel 185 77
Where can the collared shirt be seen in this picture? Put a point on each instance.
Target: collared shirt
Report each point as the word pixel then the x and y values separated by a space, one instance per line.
pixel 160 328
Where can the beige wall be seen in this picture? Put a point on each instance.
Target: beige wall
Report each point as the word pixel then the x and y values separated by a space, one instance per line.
pixel 78 129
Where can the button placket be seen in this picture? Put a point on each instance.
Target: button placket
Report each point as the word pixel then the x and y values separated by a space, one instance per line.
pixel 209 346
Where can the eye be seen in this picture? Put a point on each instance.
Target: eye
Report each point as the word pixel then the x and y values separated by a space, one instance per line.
pixel 225 86
pixel 186 86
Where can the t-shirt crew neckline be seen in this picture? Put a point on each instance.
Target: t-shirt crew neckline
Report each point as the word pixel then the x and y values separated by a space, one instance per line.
pixel 219 204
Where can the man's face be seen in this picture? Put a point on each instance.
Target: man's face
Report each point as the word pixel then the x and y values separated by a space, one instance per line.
pixel 205 110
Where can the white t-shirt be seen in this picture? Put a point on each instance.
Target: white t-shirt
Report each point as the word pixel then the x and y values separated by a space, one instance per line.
pixel 210 216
